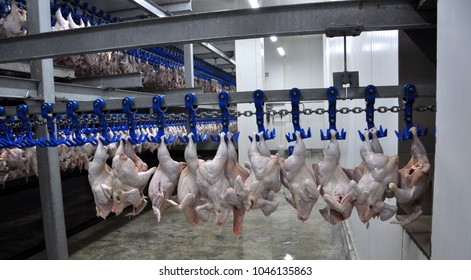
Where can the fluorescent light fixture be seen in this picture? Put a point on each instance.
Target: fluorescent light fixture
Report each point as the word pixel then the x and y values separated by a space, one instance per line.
pixel 281 51
pixel 254 4
pixel 273 38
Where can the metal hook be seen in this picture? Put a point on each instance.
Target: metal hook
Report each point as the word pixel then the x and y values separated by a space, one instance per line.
pixel 158 102
pixel 410 93
pixel 258 97
pixel 224 98
pixel 370 97
pixel 191 104
pixel 128 103
pixel 295 95
pixel 332 93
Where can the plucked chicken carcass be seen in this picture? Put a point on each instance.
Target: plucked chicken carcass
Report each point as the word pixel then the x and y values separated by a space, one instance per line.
pixel 415 181
pixel 299 180
pixel 237 195
pixel 128 183
pixel 165 179
pixel 211 182
pixel 370 190
pixel 264 179
pixel 334 185
pixel 15 23
pixel 188 192
pixel 100 178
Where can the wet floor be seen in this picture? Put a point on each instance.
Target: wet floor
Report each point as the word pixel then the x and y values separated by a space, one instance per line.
pixel 276 237
pixel 279 236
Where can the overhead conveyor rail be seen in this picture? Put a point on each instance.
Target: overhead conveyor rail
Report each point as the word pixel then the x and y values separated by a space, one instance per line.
pixel 312 18
pixel 176 99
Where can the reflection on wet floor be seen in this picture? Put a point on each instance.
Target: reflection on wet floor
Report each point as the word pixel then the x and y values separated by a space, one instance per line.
pixel 277 237
pixel 280 236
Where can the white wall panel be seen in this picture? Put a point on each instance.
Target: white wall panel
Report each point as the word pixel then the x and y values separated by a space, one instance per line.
pixel 301 67
pixel 451 223
pixel 250 76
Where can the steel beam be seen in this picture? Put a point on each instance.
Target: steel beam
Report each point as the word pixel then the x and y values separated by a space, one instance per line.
pixel 311 18
pixel 50 185
pixel 218 52
pixel 150 7
pixel 213 55
pixel 23 67
pixel 226 66
pixel 177 99
pixel 127 80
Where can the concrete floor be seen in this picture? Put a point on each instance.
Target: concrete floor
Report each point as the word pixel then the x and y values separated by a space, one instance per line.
pixel 276 237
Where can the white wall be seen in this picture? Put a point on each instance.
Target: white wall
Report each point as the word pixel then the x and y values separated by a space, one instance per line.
pixel 250 76
pixel 301 67
pixel 451 222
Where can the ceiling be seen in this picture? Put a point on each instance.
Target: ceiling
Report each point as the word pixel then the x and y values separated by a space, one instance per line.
pixel 128 10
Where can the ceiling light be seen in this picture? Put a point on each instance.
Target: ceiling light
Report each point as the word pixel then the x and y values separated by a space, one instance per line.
pixel 254 4
pixel 281 51
pixel 273 38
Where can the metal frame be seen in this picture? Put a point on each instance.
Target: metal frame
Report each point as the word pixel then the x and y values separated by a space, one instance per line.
pixel 313 18
pixel 178 99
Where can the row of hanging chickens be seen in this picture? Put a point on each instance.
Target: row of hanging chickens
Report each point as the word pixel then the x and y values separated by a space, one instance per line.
pixel 221 186
pixel 108 63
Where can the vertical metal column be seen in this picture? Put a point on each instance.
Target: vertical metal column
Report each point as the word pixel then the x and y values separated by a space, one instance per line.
pixel 189 66
pixel 39 20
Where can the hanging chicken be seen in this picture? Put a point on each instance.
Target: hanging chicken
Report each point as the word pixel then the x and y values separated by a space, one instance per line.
pixel 299 180
pixel 165 179
pixel 370 190
pixel 100 178
pixel 237 195
pixel 334 185
pixel 264 179
pixel 415 181
pixel 128 183
pixel 187 190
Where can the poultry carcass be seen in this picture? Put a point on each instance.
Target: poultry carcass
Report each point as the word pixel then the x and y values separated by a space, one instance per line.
pixel 187 191
pixel 358 172
pixel 237 195
pixel 165 179
pixel 15 23
pixel 100 178
pixel 415 181
pixel 131 154
pixel 334 185
pixel 61 22
pixel 211 182
pixel 370 190
pixel 128 183
pixel 299 180
pixel 264 179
